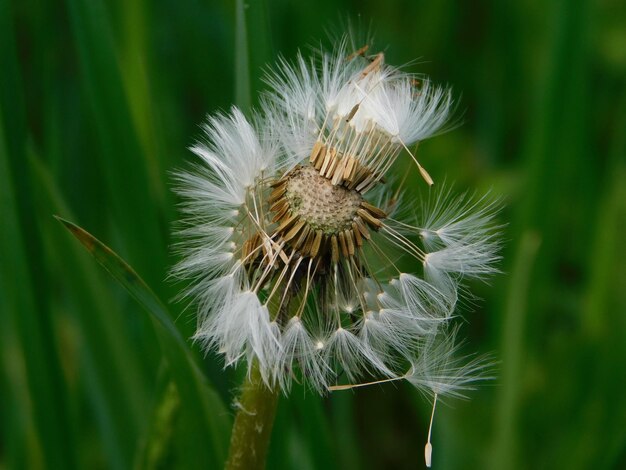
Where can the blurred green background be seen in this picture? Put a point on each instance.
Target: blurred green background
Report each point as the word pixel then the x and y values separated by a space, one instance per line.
pixel 98 102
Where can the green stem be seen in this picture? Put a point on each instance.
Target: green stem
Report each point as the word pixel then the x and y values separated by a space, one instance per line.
pixel 252 429
pixel 505 439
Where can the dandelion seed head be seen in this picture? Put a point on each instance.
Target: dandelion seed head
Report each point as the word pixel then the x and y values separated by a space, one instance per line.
pixel 293 235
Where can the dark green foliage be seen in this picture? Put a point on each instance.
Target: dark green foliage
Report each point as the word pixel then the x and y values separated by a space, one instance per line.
pixel 98 102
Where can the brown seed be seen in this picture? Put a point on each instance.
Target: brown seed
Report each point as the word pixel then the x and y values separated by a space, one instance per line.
pixel 334 249
pixel 426 176
pixel 348 235
pixel 277 182
pixel 249 246
pixel 369 218
pixel 295 230
pixel 317 147
pixel 320 158
pixel 374 65
pixel 308 244
pixel 291 219
pixel 360 175
pixel 358 52
pixel 357 234
pixel 327 158
pixel 365 181
pixel 347 172
pixel 280 213
pixel 375 211
pixel 332 155
pixel 339 170
pixel 362 228
pixel 352 112
pixel 277 193
pixel 303 236
pixel 317 241
pixel 278 204
pixel 342 243
pixel 333 165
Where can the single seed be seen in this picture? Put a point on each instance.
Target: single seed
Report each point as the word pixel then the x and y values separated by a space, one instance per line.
pixel 333 166
pixel 360 175
pixel 308 244
pixel 369 218
pixel 374 65
pixel 303 236
pixel 349 241
pixel 249 246
pixel 315 248
pixel 347 172
pixel 357 234
pixel 330 154
pixel 339 170
pixel 365 181
pixel 294 230
pixel 281 213
pixel 277 193
pixel 334 247
pixel 278 205
pixel 342 242
pixel 352 112
pixel 321 157
pixel 362 228
pixel 426 176
pixel 375 211
pixel 358 52
pixel 317 147
pixel 287 223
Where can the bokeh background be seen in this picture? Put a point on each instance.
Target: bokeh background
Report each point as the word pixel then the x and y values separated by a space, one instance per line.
pixel 98 102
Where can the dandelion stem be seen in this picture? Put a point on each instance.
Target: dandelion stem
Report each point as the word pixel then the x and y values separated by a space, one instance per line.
pixel 256 410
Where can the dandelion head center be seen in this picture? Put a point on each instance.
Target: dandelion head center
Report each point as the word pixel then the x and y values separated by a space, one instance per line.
pixel 322 205
pixel 316 217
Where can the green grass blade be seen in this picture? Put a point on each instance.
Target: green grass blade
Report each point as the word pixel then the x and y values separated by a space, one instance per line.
pixel 505 455
pixel 126 276
pixel 37 397
pixel 135 67
pixel 608 245
pixel 303 437
pixel 260 48
pixel 344 427
pixel 317 433
pixel 36 400
pixel 192 385
pixel 242 62
pixel 121 160
pixel 604 325
pixel 156 449
pixel 115 385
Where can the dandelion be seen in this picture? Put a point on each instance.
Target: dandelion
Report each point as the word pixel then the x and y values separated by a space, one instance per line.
pixel 297 243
